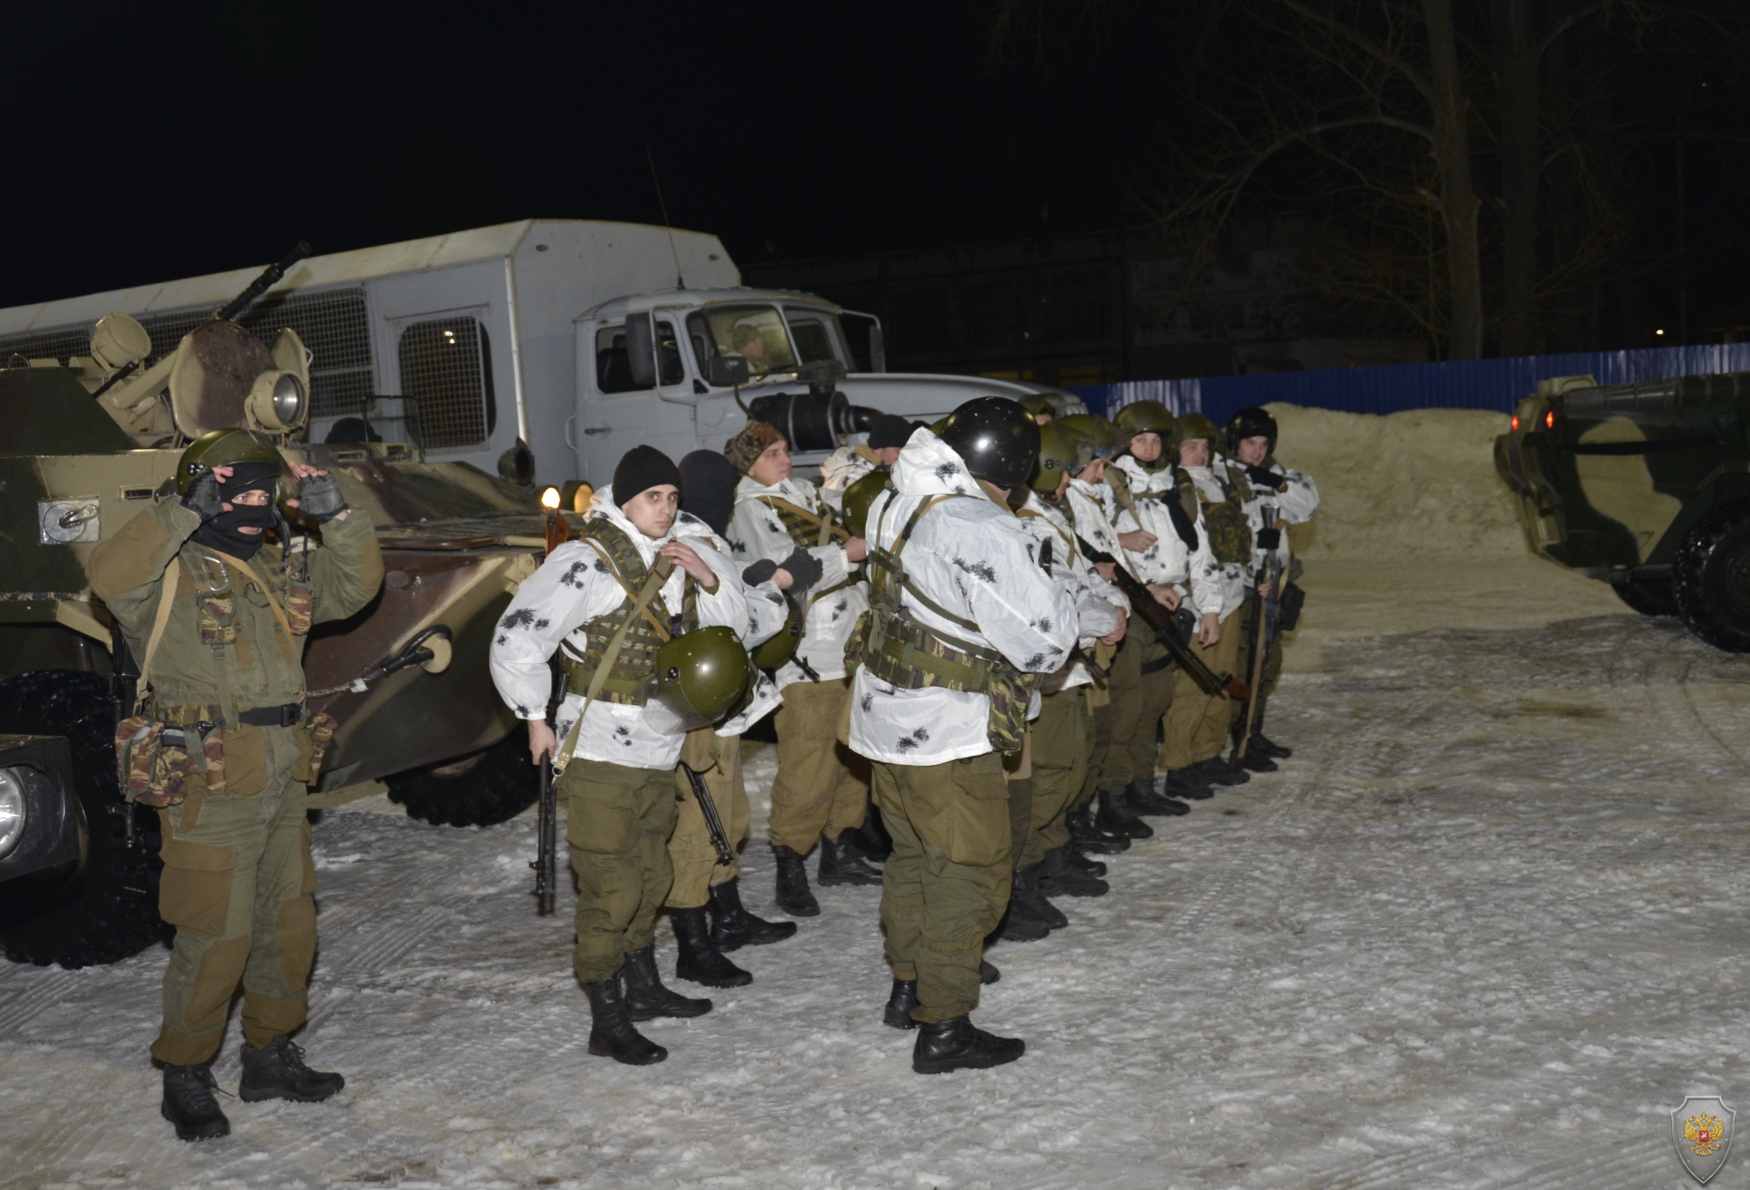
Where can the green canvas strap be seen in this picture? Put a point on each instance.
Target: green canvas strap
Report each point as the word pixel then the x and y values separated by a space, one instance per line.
pixel 652 584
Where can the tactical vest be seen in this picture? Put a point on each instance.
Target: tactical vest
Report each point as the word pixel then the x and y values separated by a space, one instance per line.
pixel 903 652
pixel 808 532
pixel 636 660
pixel 1230 533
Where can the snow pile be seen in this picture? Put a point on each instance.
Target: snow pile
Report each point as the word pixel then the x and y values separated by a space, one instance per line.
pixel 1420 482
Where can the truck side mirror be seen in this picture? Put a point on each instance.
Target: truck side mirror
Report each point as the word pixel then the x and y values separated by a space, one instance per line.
pixel 728 371
pixel 641 349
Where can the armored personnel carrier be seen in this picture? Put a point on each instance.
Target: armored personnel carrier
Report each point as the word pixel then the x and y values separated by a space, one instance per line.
pixel 1644 486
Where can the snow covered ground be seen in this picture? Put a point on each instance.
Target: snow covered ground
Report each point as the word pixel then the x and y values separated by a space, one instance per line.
pixel 1485 929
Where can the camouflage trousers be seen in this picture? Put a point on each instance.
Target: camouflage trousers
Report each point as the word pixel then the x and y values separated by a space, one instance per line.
pixel 1197 722
pixel 237 885
pixel 1060 768
pixel 696 870
pixel 617 821
pixel 822 787
pixel 947 882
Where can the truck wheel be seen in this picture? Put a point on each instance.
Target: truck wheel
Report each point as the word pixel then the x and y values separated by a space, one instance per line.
pixel 1652 598
pixel 480 790
pixel 1711 578
pixel 103 907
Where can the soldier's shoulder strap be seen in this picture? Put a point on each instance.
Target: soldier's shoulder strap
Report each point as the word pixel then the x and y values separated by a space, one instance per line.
pixel 888 559
pixel 640 603
pixel 1068 538
pixel 1120 485
pixel 168 587
pixel 249 572
pixel 828 529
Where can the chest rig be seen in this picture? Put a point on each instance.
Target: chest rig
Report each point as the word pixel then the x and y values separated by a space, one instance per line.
pixel 809 530
pixel 903 652
pixel 1230 533
pixel 636 658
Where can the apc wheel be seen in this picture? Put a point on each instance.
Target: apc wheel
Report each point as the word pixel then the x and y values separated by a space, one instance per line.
pixel 1711 578
pixel 480 790
pixel 103 907
pixel 1653 598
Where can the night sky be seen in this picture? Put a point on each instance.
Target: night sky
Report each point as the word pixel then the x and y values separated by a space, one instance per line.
pixel 154 142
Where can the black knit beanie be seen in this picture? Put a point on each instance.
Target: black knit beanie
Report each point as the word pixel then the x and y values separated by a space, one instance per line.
pixel 889 430
pixel 708 488
pixel 640 469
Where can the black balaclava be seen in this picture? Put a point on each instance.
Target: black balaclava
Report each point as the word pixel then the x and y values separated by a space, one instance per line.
pixel 221 533
pixel 708 488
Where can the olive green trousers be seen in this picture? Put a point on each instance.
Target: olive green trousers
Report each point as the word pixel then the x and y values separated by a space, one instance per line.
pixel 617 821
pixel 1137 715
pixel 1060 768
pixel 947 883
pixel 690 851
pixel 1099 753
pixel 822 787
pixel 237 885
pixel 1197 722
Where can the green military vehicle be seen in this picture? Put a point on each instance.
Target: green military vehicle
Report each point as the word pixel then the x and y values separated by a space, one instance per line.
pixel 86 442
pixel 1645 486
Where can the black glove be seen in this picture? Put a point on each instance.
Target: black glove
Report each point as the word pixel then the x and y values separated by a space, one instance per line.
pixel 1265 478
pixel 1269 539
pixel 758 573
pixel 804 567
pixel 319 498
pixel 202 497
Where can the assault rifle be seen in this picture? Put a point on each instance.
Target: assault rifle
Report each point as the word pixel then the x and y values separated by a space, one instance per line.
pixel 1166 629
pixel 1263 629
pixel 547 815
pixel 708 808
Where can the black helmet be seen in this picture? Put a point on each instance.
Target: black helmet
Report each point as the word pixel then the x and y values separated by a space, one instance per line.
pixel 996 439
pixel 1252 422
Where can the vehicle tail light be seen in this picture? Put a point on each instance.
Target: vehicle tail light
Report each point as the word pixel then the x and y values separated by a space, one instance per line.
pixel 1549 420
pixel 1515 426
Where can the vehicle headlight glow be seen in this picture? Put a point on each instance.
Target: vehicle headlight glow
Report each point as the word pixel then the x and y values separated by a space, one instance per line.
pixel 12 808
pixel 288 400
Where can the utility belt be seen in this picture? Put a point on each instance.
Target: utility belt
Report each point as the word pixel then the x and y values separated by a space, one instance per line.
pixel 904 653
pixel 171 751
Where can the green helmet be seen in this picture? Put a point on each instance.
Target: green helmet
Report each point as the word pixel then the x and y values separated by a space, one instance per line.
pixel 223 448
pixel 1146 417
pixel 858 497
pixel 699 677
pixel 1105 438
pixel 779 648
pixel 1039 403
pixel 1195 425
pixel 1060 450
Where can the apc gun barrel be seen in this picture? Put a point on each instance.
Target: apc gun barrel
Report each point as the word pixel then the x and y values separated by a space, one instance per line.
pixel 268 279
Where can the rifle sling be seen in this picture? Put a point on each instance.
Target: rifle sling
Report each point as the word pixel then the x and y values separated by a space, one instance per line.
pixel 641 603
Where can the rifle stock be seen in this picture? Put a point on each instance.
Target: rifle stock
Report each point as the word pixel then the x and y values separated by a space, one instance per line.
pixel 1157 617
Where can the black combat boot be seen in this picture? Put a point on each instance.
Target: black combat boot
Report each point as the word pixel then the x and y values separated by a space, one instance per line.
pixel 1188 783
pixel 647 999
pixel 1115 816
pixel 1087 837
pixel 189 1103
pixel 900 1002
pixel 987 972
pixel 1256 759
pixel 733 927
pixel 840 863
pixel 1056 878
pixel 1265 746
pixel 1214 771
pixel 1028 899
pixel 1017 925
pixel 277 1071
pixel 871 839
pixel 1081 863
pixel 700 961
pixel 1143 800
pixel 793 895
pixel 612 1035
pixel 958 1044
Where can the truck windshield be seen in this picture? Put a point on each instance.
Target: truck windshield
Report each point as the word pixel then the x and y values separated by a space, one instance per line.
pixel 754 332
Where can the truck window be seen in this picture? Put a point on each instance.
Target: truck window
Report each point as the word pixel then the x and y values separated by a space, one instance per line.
pixel 858 331
pixel 668 354
pixel 613 371
pixel 813 339
pixel 445 375
pixel 756 332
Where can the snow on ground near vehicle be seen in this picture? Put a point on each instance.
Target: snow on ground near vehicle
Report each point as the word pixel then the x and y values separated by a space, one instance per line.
pixel 1484 930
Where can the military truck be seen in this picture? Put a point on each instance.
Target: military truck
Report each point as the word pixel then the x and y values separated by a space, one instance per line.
pixel 1644 486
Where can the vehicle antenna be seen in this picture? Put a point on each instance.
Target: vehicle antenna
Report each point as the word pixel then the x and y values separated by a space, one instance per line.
pixel 680 281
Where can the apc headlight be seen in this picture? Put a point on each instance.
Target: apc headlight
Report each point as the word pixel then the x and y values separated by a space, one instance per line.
pixel 288 400
pixel 12 810
pixel 276 402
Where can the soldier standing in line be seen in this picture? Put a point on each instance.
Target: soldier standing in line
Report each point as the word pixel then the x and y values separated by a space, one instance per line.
pixel 820 790
pixel 608 602
pixel 1197 723
pixel 962 618
pixel 217 617
pixel 1062 735
pixel 1174 567
pixel 846 465
pixel 1280 497
pixel 701 882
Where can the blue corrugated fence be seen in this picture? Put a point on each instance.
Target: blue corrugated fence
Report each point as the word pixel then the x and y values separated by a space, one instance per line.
pixel 1468 384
